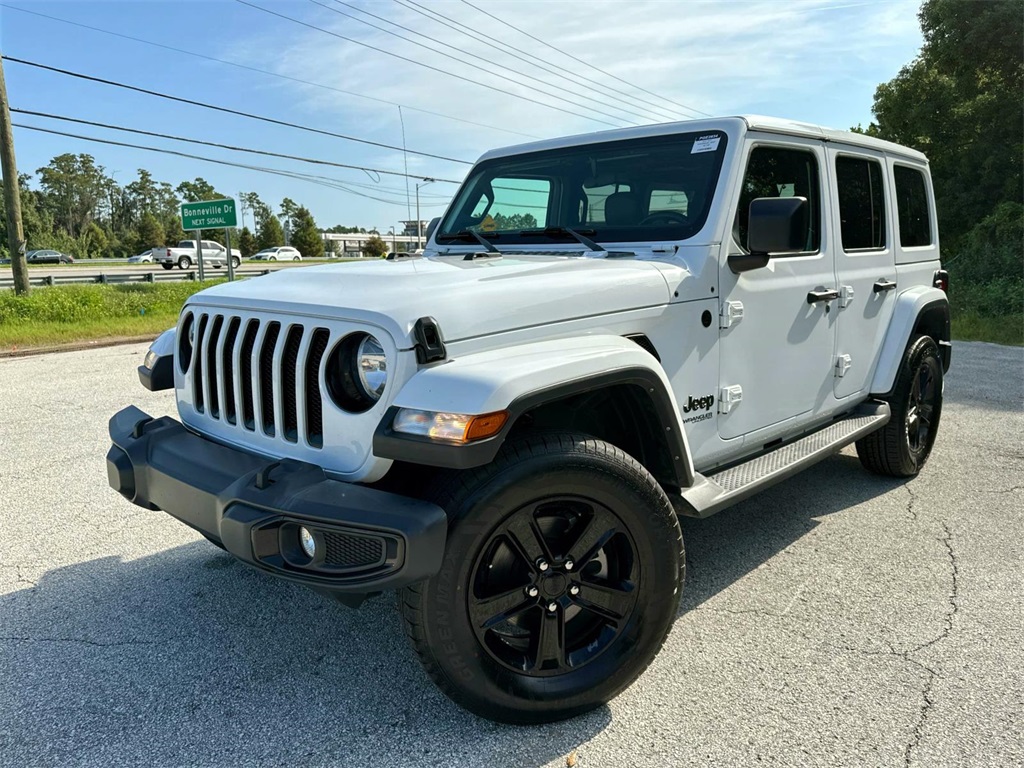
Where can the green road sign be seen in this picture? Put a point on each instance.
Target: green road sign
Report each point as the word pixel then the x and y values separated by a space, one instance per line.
pixel 209 214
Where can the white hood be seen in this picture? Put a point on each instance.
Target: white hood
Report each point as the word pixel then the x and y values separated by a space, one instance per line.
pixel 467 298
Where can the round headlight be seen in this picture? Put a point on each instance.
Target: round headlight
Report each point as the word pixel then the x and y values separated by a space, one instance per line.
pixel 356 372
pixel 371 367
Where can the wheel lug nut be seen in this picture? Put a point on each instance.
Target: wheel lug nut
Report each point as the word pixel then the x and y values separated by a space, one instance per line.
pixel 552 607
pixel 574 590
pixel 542 565
pixel 569 565
pixel 532 592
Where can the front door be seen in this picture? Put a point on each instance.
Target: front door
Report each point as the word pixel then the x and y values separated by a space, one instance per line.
pixel 780 352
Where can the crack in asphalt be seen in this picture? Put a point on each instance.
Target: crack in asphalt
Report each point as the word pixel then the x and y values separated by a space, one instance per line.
pixel 911 501
pixel 82 641
pixel 954 592
pixel 927 702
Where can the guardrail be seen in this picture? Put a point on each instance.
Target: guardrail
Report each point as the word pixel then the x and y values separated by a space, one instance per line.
pixel 111 278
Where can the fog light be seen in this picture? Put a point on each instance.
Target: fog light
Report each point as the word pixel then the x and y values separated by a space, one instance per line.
pixel 307 542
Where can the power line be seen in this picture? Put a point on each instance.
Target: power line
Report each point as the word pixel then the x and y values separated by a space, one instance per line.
pixel 548 66
pixel 230 147
pixel 323 181
pixel 267 72
pixel 581 61
pixel 471 55
pixel 229 111
pixel 425 65
pixel 190 156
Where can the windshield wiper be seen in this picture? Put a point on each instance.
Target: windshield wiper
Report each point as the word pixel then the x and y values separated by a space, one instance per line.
pixel 555 231
pixel 469 234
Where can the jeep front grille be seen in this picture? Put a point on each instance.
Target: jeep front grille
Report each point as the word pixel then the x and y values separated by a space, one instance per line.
pixel 260 375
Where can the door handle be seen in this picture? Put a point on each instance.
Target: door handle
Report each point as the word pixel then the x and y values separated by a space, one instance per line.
pixel 830 294
pixel 883 285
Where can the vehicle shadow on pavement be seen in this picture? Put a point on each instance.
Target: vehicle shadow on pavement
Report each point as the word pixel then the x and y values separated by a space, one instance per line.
pixel 724 548
pixel 187 657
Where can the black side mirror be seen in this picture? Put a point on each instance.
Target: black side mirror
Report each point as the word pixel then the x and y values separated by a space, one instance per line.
pixel 774 225
pixel 432 226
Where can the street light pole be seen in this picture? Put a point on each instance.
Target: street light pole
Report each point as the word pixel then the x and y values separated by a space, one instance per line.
pixel 419 228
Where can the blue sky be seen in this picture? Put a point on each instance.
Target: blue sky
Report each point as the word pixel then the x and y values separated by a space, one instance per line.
pixel 808 60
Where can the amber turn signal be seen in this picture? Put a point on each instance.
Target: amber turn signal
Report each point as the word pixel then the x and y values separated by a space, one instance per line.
pixel 487 425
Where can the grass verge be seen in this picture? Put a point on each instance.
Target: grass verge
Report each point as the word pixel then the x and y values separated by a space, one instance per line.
pixel 1003 329
pixel 74 313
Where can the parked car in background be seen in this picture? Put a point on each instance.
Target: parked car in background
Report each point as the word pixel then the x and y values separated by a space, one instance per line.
pixel 48 257
pixel 146 257
pixel 184 255
pixel 282 253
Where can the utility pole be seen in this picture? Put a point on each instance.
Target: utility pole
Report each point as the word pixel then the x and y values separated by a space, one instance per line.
pixel 12 194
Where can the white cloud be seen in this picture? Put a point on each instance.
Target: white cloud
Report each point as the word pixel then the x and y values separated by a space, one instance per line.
pixel 803 59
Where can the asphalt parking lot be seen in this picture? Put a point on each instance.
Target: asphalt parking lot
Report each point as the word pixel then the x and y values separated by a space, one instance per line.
pixel 837 619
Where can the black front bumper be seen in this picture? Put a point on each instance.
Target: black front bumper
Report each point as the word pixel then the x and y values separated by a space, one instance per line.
pixel 366 539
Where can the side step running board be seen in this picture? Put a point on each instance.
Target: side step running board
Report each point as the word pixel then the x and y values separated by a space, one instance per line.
pixel 713 493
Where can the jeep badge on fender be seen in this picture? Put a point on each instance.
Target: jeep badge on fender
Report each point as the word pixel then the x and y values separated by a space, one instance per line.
pixel 504 429
pixel 698 404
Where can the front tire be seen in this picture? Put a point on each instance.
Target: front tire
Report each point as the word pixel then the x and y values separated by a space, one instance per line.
pixel 235 262
pixel 184 262
pixel 561 578
pixel 901 447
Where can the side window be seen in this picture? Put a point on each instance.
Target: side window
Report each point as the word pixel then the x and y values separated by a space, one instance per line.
pixel 781 172
pixel 861 203
pixel 912 206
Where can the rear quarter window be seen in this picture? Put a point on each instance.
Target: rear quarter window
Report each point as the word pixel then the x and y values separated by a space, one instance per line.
pixel 912 207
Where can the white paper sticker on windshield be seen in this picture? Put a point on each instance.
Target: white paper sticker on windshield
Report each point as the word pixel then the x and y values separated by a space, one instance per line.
pixel 705 144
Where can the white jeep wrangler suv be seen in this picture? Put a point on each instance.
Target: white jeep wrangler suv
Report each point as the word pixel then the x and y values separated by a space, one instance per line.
pixel 604 332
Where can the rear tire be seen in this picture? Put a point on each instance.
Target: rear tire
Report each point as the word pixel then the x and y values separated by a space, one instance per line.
pixel 167 266
pixel 561 579
pixel 901 447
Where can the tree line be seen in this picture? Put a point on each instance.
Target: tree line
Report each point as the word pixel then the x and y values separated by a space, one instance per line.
pixel 959 102
pixel 77 207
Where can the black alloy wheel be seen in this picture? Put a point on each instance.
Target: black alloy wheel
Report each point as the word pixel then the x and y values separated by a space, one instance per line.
pixel 560 581
pixel 921 404
pixel 554 586
pixel 903 445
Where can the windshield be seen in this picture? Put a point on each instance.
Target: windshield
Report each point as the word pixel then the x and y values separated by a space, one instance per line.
pixel 267 250
pixel 656 188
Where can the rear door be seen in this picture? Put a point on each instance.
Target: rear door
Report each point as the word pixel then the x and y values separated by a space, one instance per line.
pixel 779 353
pixel 865 265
